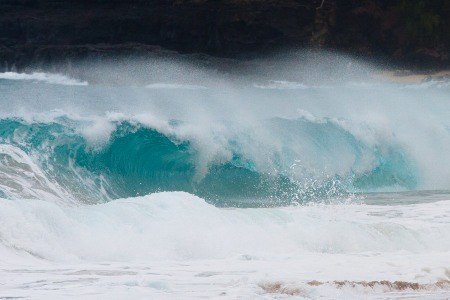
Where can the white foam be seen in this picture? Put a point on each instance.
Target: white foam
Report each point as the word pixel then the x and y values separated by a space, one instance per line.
pixel 162 85
pixel 98 132
pixel 43 77
pixel 174 245
pixel 182 226
pixel 433 83
pixel 281 85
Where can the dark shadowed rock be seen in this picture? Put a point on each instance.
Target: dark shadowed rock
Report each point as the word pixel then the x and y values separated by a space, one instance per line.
pixel 64 28
pixel 38 31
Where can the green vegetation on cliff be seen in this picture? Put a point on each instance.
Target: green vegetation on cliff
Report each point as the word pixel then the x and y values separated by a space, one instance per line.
pixel 427 21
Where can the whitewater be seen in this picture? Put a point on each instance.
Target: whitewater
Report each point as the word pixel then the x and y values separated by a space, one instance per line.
pixel 297 177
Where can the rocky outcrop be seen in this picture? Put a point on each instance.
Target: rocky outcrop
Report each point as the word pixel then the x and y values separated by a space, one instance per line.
pixel 33 31
pixel 31 28
pixel 412 32
pixel 324 22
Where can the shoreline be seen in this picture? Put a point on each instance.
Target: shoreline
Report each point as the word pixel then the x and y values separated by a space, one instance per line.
pixel 412 77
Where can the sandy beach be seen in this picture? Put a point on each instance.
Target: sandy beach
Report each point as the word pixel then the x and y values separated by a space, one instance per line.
pixel 406 76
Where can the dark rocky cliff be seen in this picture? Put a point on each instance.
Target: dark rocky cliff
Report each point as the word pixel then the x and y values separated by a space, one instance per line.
pixel 48 30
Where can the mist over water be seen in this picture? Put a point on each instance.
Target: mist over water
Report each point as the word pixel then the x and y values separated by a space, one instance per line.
pixel 290 129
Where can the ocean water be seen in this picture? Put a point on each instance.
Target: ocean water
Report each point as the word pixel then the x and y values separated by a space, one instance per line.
pixel 169 180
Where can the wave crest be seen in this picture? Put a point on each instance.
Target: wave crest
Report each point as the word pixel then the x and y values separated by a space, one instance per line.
pixel 313 160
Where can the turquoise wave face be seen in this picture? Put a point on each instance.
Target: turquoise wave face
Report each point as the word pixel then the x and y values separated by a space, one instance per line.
pixel 138 160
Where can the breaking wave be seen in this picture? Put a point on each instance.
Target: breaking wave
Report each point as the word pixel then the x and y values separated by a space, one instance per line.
pixel 109 159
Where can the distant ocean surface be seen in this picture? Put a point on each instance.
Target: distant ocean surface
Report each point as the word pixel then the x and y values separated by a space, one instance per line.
pixel 203 185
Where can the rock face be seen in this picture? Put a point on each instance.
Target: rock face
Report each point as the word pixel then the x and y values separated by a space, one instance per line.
pixel 45 30
pixel 410 31
pixel 223 27
pixel 30 28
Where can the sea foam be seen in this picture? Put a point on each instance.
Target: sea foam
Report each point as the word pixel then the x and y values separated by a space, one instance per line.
pixel 43 77
pixel 182 226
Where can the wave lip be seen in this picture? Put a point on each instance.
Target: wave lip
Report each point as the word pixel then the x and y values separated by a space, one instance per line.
pixel 43 77
pixel 20 177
